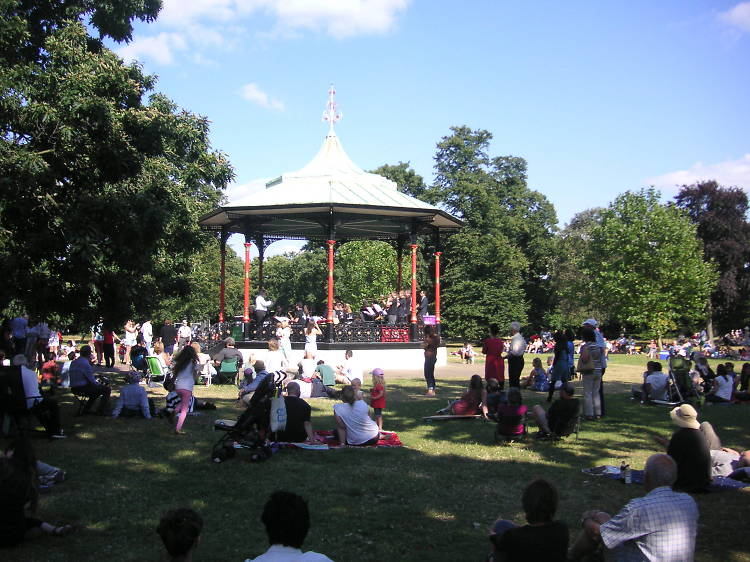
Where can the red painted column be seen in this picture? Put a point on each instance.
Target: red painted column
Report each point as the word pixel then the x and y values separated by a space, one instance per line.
pixel 413 283
pixel 329 314
pixel 437 288
pixel 246 309
pixel 222 274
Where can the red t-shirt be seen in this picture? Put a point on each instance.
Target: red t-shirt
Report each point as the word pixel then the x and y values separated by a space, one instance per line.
pixel 378 402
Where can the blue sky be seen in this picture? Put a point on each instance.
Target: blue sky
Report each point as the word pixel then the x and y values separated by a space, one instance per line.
pixel 599 97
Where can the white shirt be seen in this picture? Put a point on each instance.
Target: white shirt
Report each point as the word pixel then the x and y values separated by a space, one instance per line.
pixel 517 345
pixel 305 388
pixel 658 382
pixel 308 367
pixel 275 360
pixel 352 370
pixel 724 385
pixel 184 331
pixel 359 427
pixel 261 303
pixel 279 553
pixel 147 331
pixel 30 386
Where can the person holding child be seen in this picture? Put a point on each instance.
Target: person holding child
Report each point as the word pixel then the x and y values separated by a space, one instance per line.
pixel 377 395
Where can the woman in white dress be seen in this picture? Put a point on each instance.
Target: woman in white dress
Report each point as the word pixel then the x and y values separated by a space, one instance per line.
pixel 284 335
pixel 185 365
pixel 131 331
pixel 311 337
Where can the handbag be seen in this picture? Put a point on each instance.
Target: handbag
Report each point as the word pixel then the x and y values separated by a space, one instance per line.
pixel 585 365
pixel 278 413
pixel 169 383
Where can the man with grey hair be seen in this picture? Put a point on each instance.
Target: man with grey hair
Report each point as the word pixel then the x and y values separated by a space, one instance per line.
pixel 661 525
pixel 515 355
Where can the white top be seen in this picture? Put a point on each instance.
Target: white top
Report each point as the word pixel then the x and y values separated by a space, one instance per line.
pixel 284 335
pixel 261 303
pixel 359 427
pixel 275 361
pixel 184 331
pixel 311 337
pixel 30 386
pixel 724 387
pixel 305 388
pixel 517 345
pixel 185 379
pixel 147 331
pixel 658 382
pixel 279 553
pixel 352 370
pixel 308 367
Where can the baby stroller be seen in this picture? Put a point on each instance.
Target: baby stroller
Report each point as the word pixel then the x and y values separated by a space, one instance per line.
pixel 252 428
pixel 680 385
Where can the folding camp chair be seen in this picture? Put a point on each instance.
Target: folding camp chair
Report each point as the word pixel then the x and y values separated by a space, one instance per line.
pixel 154 369
pixel 227 371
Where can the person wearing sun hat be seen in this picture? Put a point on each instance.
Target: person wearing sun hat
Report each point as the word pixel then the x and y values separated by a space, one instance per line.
pixel 689 447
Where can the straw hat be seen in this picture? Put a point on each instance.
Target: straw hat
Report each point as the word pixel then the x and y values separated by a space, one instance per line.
pixel 685 416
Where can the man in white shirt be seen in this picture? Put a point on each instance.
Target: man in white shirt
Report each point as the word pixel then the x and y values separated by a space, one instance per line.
pixel 655 384
pixel 184 333
pixel 287 521
pixel 515 355
pixel 349 370
pixel 261 309
pixel 147 331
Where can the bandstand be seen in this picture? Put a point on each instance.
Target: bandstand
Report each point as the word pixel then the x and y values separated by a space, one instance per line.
pixel 332 200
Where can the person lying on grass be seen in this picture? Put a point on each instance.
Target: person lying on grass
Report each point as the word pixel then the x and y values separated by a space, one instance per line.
pixel 19 488
pixel 473 401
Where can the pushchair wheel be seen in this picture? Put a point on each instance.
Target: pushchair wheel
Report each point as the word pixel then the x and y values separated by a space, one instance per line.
pixel 223 452
pixel 261 454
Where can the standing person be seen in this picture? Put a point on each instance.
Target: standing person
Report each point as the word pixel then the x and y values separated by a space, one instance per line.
pixel 97 337
pixel 592 380
pixel 430 346
pixel 312 331
pixel 423 303
pixel 53 343
pixel 261 309
pixel 515 355
pixel 147 331
pixel 392 309
pixel 131 331
pixel 377 395
pixel 108 345
pixel 494 366
pixel 603 347
pixel 284 335
pixel 18 327
pixel 168 336
pixel 184 334
pixel 570 337
pixel 185 366
pixel 560 367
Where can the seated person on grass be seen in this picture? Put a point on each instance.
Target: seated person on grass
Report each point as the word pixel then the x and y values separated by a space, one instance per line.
pixel 467 353
pixel 495 397
pixel 298 427
pixel 46 409
pixel 138 354
pixel 537 379
pixel 562 414
pixel 229 352
pixel 180 531
pixel 287 521
pixel 248 389
pixel 325 373
pixel 82 381
pixel 655 384
pixel 511 416
pixel 542 538
pixel 354 425
pixel 307 366
pixel 133 400
pixel 722 386
pixel 473 401
pixel 661 525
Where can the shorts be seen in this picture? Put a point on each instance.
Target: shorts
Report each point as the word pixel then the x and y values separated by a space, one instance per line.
pixel 378 412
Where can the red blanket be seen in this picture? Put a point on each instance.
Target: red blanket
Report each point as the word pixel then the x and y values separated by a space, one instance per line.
pixel 387 439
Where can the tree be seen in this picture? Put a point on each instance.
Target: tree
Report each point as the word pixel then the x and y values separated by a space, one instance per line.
pixel 365 271
pixel 101 190
pixel 407 180
pixel 496 269
pixel 720 215
pixel 646 265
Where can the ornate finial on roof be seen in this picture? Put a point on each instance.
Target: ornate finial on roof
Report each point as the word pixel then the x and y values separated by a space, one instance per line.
pixel 330 114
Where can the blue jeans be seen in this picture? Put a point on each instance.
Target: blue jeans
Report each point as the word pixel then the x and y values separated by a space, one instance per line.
pixel 429 371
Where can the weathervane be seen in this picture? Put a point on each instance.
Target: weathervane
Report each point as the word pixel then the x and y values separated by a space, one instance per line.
pixel 330 114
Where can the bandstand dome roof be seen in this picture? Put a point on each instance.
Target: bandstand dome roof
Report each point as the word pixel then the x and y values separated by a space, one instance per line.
pixel 330 191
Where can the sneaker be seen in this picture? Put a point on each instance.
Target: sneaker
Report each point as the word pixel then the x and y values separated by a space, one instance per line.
pixel 59 476
pixel 60 435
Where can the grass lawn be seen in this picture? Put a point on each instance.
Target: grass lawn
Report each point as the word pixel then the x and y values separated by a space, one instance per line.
pixel 434 499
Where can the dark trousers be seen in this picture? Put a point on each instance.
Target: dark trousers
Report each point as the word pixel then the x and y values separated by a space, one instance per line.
pixel 515 367
pixel 259 315
pixel 95 391
pixel 109 354
pixel 48 413
pixel 429 370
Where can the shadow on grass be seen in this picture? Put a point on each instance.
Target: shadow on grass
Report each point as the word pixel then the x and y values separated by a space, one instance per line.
pixel 432 500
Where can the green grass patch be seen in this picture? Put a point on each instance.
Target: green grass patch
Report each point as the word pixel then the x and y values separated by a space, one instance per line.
pixel 432 500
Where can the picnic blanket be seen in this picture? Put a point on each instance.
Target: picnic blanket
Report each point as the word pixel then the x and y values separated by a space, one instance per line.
pixel 329 440
pixel 719 483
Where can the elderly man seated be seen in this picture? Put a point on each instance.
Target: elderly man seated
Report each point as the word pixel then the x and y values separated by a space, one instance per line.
pixel 82 381
pixel 133 400
pixel 45 409
pixel 660 526
pixel 249 387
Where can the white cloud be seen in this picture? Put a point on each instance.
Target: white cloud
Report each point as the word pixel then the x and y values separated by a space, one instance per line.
pixel 159 48
pixel 252 93
pixel 737 17
pixel 730 173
